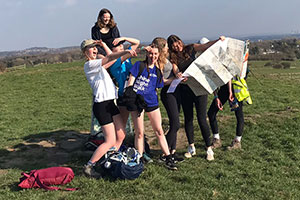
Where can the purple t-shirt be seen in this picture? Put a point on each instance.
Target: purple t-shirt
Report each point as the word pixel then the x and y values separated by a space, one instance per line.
pixel 147 86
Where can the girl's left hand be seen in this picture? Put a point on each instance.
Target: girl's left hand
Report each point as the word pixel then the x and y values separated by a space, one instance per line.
pixel 132 52
pixel 222 38
pixel 184 78
pixel 231 97
pixel 117 40
pixel 99 42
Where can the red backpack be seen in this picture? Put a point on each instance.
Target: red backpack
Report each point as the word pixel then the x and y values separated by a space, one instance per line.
pixel 43 178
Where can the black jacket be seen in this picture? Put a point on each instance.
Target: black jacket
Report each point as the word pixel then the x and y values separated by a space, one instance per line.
pixel 96 35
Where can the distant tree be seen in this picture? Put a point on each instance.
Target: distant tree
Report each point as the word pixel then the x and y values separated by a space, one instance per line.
pixel 254 51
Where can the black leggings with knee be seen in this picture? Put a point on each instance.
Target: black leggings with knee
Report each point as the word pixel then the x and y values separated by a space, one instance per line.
pixel 223 95
pixel 171 102
pixel 188 100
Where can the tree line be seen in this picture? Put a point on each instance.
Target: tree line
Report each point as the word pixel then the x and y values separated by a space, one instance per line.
pixel 274 50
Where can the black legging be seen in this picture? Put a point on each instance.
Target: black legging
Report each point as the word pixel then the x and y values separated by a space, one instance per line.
pixel 171 102
pixel 188 99
pixel 223 95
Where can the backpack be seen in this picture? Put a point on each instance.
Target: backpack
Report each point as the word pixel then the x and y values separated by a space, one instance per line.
pixel 43 178
pixel 123 164
pixel 94 141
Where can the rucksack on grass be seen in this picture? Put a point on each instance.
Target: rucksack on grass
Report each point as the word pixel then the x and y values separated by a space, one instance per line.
pixel 43 178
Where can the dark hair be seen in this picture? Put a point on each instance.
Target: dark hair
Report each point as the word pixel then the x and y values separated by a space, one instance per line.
pixel 111 23
pixel 175 55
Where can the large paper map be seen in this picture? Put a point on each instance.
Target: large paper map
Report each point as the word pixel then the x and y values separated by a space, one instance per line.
pixel 216 66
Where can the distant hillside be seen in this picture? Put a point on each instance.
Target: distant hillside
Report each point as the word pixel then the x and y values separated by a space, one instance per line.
pixel 251 38
pixel 264 47
pixel 36 51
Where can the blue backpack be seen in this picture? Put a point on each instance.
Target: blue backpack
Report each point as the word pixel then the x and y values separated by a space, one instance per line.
pixel 123 164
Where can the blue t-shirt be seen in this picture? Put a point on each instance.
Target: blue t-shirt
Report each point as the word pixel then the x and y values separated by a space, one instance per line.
pixel 147 86
pixel 120 72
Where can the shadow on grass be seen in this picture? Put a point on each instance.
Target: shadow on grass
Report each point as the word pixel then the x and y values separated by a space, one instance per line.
pixel 48 149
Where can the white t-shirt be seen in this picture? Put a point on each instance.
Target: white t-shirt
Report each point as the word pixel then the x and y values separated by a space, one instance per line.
pixel 100 81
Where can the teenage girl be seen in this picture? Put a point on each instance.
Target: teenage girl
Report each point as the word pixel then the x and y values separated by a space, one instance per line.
pixel 105 29
pixel 146 84
pixel 104 108
pixel 181 56
pixel 171 101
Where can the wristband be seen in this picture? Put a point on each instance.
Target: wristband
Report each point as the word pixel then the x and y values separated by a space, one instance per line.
pixel 216 96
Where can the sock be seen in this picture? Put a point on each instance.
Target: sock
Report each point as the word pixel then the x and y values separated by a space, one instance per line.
pixel 238 138
pixel 217 136
pixel 90 163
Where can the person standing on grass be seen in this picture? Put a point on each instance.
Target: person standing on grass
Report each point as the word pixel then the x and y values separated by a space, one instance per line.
pixel 224 94
pixel 104 108
pixel 145 78
pixel 181 56
pixel 171 101
pixel 105 29
pixel 120 70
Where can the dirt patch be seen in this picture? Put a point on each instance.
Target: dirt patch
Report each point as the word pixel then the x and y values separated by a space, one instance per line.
pixel 3 172
pixel 57 148
pixel 51 149
pixel 152 140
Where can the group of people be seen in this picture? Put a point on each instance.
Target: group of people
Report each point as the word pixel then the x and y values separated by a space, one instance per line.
pixel 108 65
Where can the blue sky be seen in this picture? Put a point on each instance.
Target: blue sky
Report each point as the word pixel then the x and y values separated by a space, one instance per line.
pixel 61 23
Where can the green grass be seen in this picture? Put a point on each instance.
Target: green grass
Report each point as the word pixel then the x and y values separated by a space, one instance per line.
pixel 51 99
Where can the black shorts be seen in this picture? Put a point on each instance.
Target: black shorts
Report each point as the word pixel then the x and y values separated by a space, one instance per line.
pixel 150 109
pixel 104 111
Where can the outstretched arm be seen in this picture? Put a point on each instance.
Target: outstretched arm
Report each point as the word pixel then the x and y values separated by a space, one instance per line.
pixel 203 47
pixel 134 45
pixel 113 56
pixel 110 59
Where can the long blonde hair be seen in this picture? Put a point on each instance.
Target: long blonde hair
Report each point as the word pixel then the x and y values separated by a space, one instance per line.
pixel 160 43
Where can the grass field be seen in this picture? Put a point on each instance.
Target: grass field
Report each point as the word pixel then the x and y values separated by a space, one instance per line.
pixel 53 102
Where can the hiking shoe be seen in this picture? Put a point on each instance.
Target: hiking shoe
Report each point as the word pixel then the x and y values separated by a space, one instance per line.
pixel 147 158
pixel 177 159
pixel 235 145
pixel 170 164
pixel 216 143
pixel 89 171
pixel 210 155
pixel 191 152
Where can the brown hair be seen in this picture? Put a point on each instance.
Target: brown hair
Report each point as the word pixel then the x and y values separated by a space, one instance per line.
pixel 160 43
pixel 175 56
pixel 100 23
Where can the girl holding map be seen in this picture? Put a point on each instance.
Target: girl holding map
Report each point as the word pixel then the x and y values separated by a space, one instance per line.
pixel 181 56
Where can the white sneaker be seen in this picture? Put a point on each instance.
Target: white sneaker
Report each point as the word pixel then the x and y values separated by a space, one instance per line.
pixel 191 152
pixel 210 155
